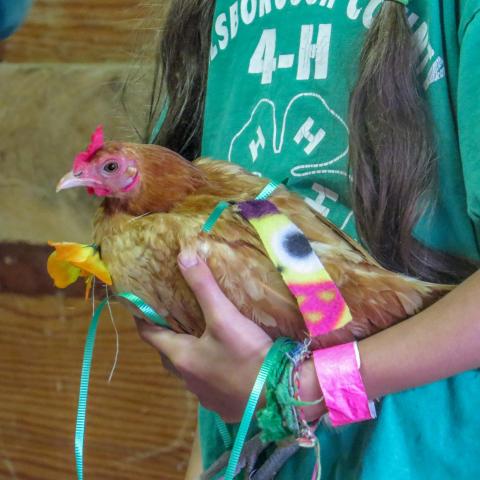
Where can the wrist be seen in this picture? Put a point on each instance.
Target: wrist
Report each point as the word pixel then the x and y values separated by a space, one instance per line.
pixel 310 391
pixel 338 373
pixel 261 358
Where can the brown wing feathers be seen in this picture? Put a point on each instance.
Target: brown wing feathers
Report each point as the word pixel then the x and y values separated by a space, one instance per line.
pixel 141 255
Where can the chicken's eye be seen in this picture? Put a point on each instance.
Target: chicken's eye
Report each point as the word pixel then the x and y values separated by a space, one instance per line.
pixel 110 167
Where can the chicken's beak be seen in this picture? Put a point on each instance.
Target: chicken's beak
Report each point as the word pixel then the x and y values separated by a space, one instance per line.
pixel 70 180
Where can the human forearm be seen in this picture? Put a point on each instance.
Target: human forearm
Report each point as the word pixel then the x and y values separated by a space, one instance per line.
pixel 439 342
pixel 221 366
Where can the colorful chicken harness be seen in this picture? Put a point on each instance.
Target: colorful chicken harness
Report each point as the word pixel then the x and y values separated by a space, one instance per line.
pixel 320 302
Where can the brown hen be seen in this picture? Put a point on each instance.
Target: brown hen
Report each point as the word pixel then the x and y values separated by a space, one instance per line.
pixel 155 205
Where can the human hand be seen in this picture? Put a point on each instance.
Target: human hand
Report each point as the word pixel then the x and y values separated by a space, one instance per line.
pixel 221 366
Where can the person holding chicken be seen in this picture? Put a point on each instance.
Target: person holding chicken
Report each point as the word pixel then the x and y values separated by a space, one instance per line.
pixel 369 110
pixel 412 149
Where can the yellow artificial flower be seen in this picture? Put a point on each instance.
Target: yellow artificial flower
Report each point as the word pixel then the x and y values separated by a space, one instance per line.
pixel 72 260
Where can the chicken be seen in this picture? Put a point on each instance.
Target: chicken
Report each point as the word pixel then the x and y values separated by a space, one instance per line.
pixel 155 205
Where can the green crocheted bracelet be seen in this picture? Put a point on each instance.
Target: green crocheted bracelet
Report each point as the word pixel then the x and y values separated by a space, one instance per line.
pixel 281 418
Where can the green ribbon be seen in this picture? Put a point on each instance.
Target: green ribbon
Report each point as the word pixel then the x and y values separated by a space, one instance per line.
pixel 158 319
pixel 277 350
pixel 223 430
pixel 267 190
pixel 223 205
pixel 158 124
pixel 214 216
pixel 152 315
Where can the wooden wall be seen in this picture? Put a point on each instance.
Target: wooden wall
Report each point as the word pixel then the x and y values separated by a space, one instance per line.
pixel 60 76
pixel 84 31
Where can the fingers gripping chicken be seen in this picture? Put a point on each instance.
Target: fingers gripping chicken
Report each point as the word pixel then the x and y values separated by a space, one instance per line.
pixel 155 204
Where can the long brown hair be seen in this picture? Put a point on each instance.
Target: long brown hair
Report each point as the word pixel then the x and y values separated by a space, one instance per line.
pixel 392 154
pixel 180 82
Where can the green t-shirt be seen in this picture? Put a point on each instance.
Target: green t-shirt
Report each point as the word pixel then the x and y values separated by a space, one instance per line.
pixel 277 101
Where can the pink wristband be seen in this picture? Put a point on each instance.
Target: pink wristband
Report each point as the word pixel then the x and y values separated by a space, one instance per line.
pixel 338 372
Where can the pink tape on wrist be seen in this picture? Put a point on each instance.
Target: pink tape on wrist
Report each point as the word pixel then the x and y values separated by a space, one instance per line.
pixel 338 372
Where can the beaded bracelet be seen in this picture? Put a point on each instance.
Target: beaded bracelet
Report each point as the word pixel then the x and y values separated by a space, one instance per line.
pixel 306 437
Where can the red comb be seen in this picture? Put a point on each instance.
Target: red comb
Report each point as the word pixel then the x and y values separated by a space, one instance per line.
pixel 96 143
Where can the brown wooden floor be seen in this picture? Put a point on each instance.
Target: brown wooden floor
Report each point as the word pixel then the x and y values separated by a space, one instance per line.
pixel 140 426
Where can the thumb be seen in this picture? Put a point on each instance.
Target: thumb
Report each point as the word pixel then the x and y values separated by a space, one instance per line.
pixel 165 341
pixel 212 300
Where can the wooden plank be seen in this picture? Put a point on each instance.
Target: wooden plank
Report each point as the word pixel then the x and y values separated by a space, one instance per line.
pixel 139 426
pixel 24 270
pixel 84 31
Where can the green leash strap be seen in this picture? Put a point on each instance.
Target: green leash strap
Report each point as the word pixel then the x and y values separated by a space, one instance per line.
pixel 278 349
pixel 223 430
pixel 223 205
pixel 214 216
pixel 267 190
pixel 150 313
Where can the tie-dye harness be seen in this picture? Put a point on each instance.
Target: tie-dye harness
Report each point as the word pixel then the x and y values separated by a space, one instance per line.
pixel 319 300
